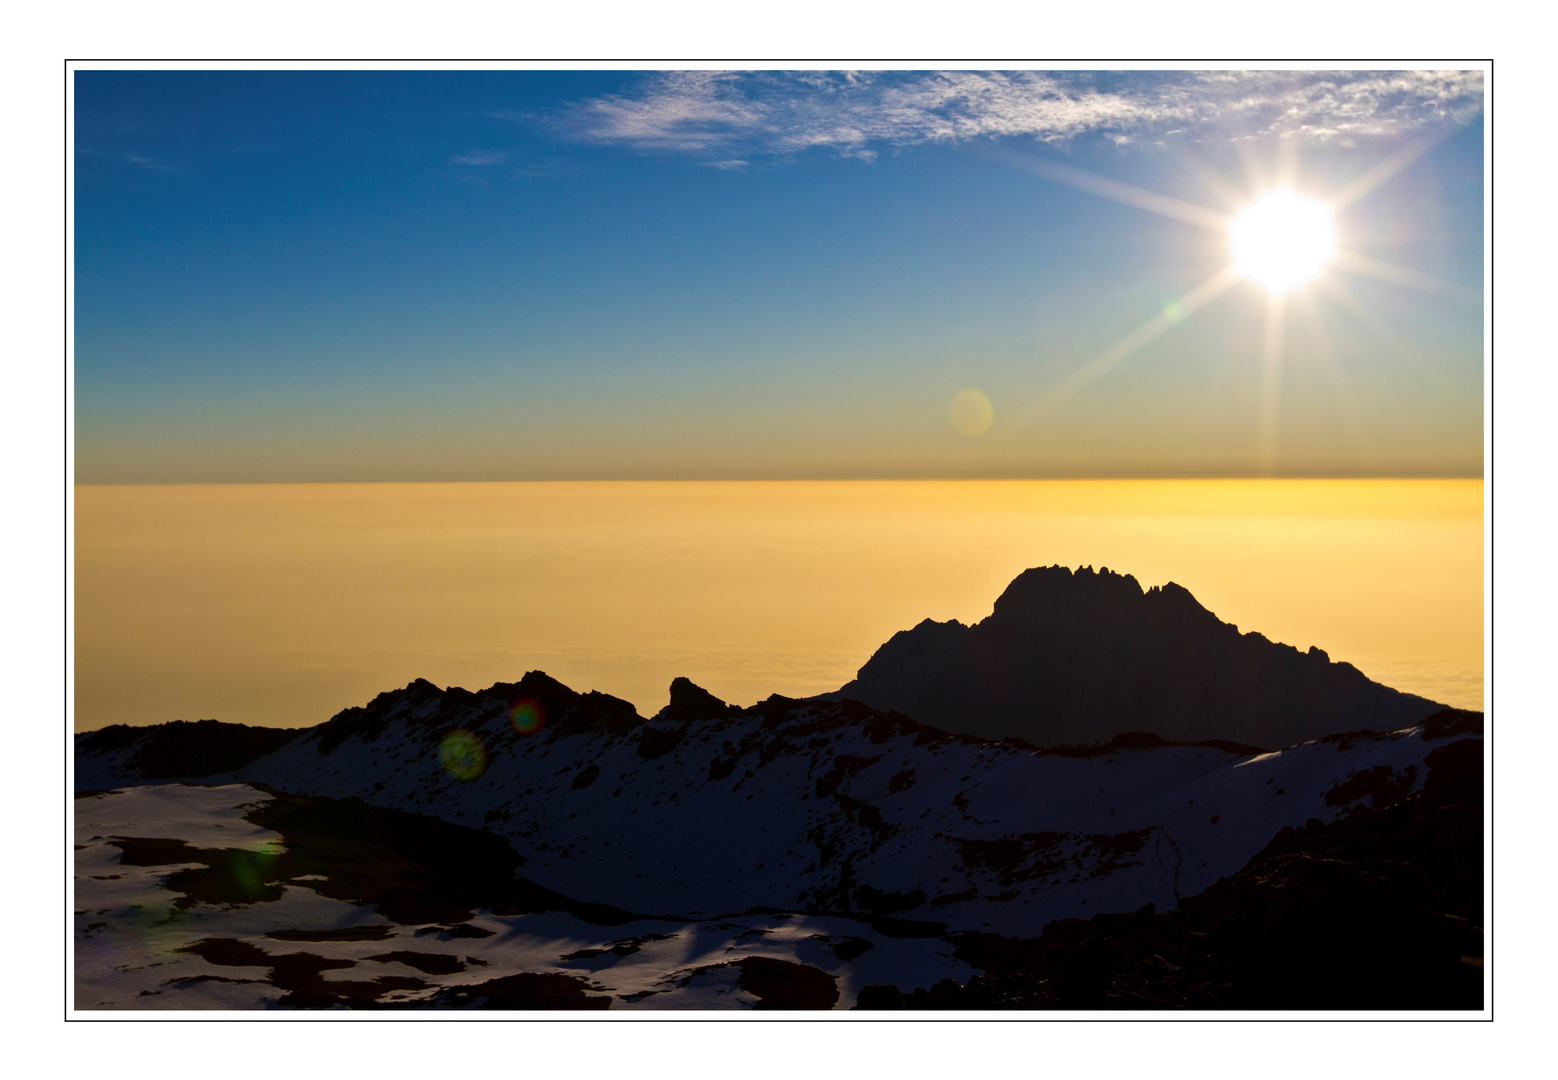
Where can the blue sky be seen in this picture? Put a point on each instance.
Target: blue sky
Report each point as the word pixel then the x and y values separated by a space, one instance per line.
pixel 530 275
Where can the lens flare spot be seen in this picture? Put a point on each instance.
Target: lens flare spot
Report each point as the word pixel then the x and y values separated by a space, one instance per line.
pixel 1173 312
pixel 971 413
pixel 250 870
pixel 527 716
pixel 462 755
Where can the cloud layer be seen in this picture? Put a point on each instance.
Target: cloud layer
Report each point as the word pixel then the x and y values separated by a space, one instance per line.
pixel 737 116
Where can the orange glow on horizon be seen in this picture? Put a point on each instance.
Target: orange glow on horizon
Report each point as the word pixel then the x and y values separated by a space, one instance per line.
pixel 282 604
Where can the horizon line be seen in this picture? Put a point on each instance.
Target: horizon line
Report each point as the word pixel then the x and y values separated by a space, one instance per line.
pixel 983 478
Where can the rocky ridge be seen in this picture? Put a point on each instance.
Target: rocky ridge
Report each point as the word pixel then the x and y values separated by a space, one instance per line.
pixel 1081 657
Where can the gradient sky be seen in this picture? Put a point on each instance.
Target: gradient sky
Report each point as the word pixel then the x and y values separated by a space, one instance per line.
pixel 328 276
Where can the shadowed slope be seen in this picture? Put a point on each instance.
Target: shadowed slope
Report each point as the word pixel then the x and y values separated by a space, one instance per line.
pixel 1082 657
pixel 1381 908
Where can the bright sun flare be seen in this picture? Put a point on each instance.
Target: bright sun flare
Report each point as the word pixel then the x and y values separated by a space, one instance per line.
pixel 1282 240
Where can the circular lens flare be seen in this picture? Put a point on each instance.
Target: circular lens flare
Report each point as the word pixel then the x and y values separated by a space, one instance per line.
pixel 1282 240
pixel 462 755
pixel 250 869
pixel 527 716
pixel 971 413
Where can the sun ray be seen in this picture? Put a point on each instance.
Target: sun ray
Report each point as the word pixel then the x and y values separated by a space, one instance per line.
pixel 1287 163
pixel 1151 201
pixel 1416 363
pixel 1172 314
pixel 1355 263
pixel 1372 178
pixel 1255 178
pixel 1271 383
pixel 1349 301
pixel 1229 193
pixel 1292 253
pixel 1324 347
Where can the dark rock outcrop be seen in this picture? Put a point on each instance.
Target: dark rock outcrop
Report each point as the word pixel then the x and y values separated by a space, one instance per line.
pixel 1083 657
pixel 554 705
pixel 689 701
pixel 183 749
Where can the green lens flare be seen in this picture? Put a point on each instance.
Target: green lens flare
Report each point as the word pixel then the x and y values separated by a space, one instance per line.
pixel 462 755
pixel 250 869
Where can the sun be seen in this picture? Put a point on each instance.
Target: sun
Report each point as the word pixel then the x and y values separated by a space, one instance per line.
pixel 1282 240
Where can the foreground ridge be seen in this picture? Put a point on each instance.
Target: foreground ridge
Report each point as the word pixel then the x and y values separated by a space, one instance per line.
pixel 709 815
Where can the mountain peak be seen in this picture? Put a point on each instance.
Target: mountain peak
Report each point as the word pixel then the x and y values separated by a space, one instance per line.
pixel 1077 656
pixel 1051 591
pixel 689 701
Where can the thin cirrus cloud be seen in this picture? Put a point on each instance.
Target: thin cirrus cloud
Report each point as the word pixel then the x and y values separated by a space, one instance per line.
pixel 148 163
pixel 481 158
pixel 859 114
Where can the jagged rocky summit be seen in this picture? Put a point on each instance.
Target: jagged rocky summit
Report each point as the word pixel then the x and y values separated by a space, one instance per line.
pixel 1083 657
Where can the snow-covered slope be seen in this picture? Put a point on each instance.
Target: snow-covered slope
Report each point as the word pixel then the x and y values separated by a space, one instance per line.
pixel 819 807
pixel 149 934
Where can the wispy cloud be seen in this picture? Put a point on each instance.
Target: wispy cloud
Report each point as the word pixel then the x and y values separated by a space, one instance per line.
pixel 1344 105
pixel 148 163
pixel 680 110
pixel 861 114
pixel 480 158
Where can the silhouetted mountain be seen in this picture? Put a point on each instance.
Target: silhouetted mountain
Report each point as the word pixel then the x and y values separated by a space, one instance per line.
pixel 553 706
pixel 1082 657
pixel 785 855
pixel 183 749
